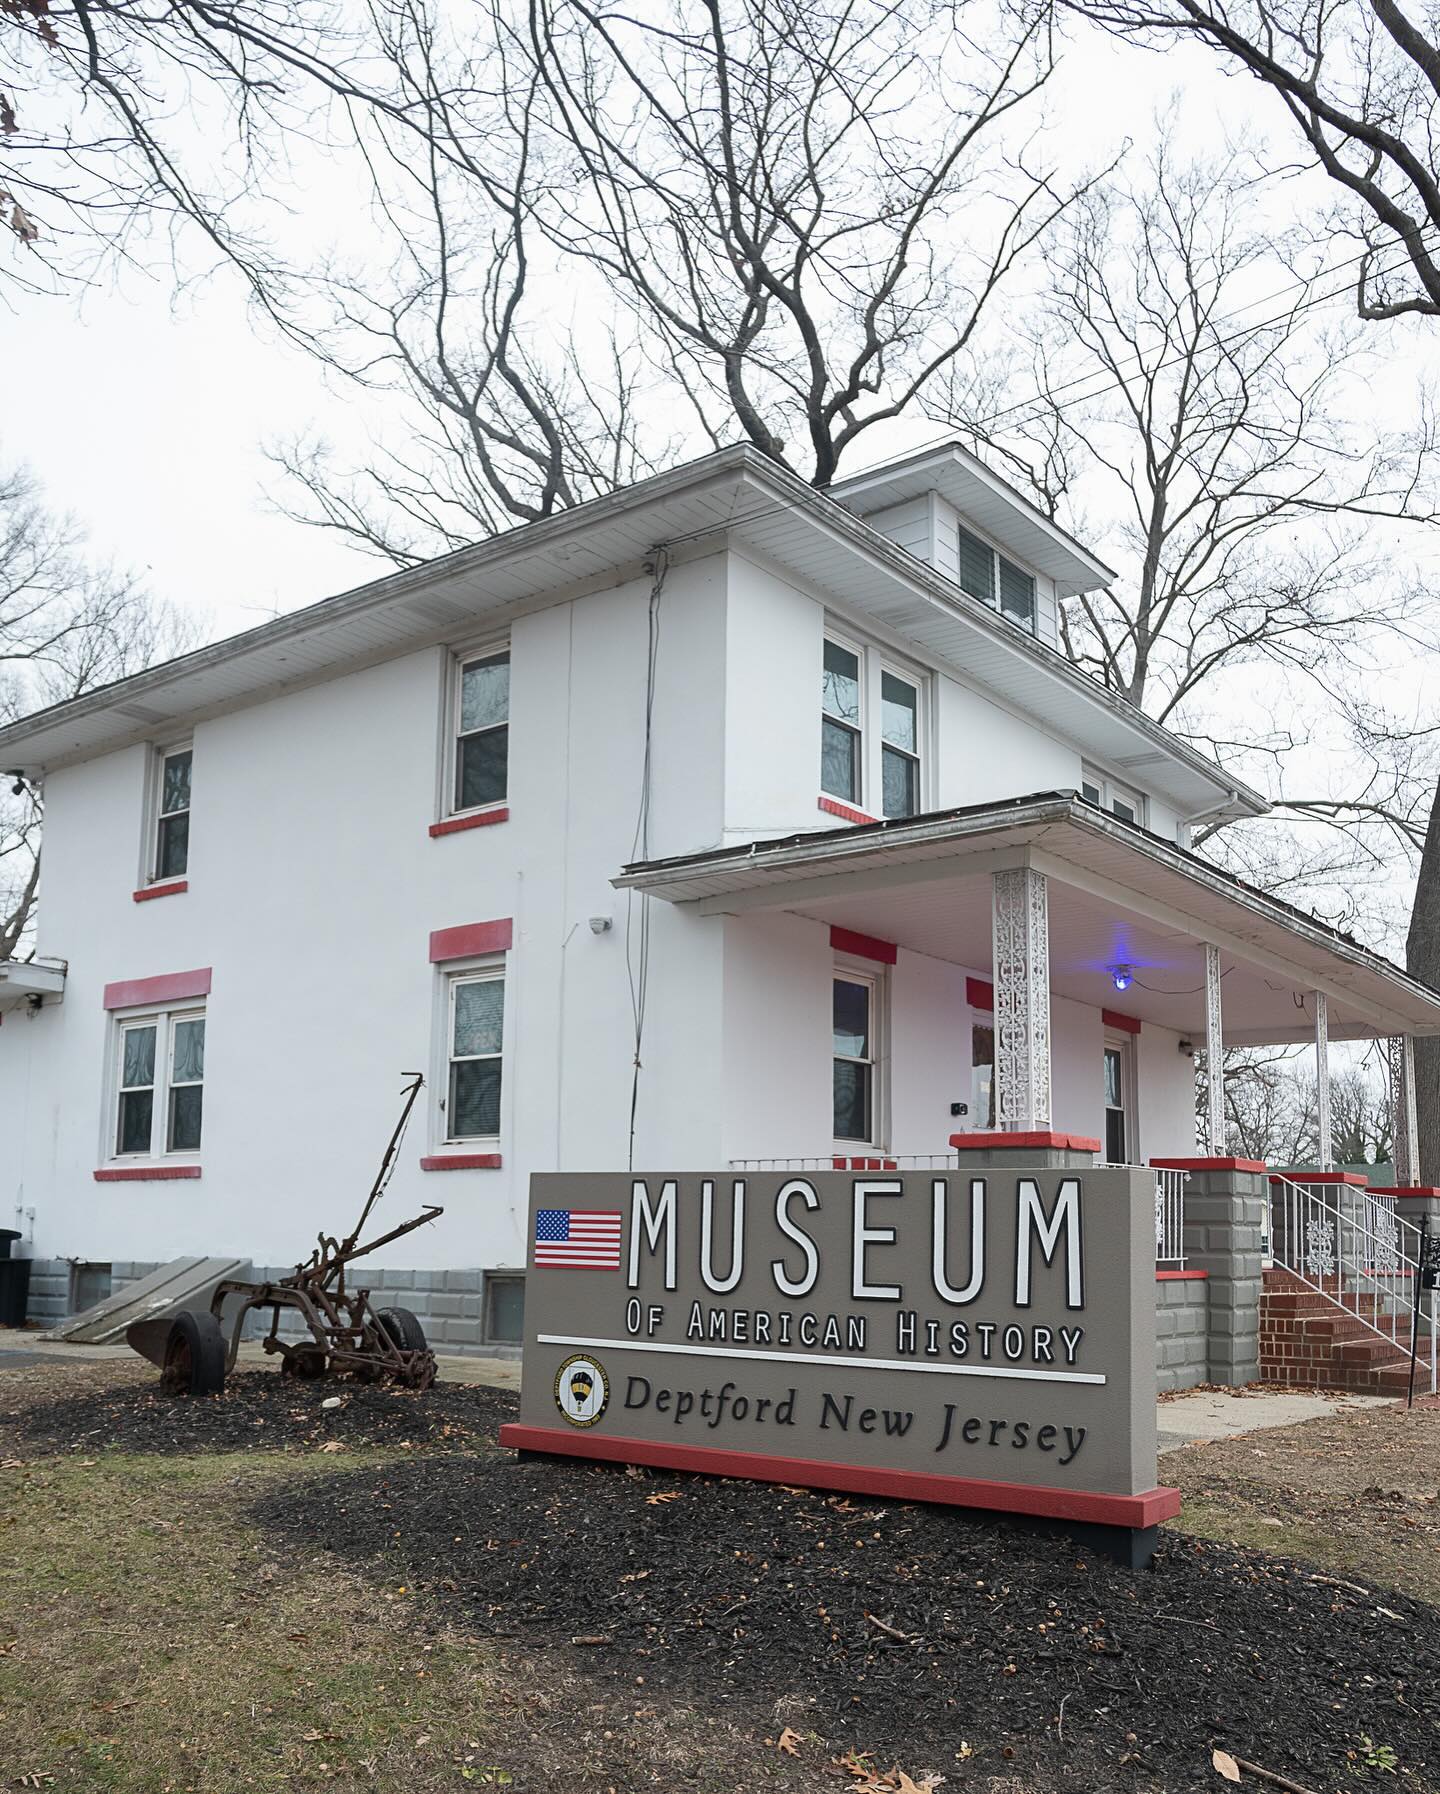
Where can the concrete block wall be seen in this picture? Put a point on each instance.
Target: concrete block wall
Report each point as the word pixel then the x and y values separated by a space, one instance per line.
pixel 1182 1316
pixel 1225 1207
pixel 49 1299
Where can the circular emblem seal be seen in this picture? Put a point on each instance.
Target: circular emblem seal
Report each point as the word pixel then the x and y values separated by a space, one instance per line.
pixel 581 1390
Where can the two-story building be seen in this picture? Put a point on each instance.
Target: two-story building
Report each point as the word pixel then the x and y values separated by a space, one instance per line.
pixel 717 821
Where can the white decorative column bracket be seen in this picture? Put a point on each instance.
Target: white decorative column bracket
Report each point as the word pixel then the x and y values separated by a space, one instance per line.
pixel 1214 1053
pixel 1020 968
pixel 1400 1059
pixel 1322 1082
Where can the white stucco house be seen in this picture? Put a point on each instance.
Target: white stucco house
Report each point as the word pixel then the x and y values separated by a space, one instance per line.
pixel 717 821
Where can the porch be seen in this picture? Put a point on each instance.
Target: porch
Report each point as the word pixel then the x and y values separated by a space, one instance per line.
pixel 1095 972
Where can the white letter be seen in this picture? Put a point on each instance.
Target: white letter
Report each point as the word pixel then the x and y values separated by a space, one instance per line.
pixel 939 1195
pixel 797 1186
pixel 1030 1214
pixel 865 1236
pixel 707 1239
pixel 662 1215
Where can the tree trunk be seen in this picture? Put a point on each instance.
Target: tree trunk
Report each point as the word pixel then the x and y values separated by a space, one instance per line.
pixel 1422 959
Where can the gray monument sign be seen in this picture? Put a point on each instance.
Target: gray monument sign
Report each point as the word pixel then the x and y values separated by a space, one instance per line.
pixel 983 1337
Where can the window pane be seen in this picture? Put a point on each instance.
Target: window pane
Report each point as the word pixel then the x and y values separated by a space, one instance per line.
pixel 1112 1078
pixel 842 683
pixel 897 712
pixel 982 1077
pixel 1115 1136
pixel 900 777
pixel 137 1064
pixel 485 693
pixel 175 792
pixel 474 1098
pixel 174 849
pixel 839 761
pixel 977 568
pixel 481 774
pixel 185 1107
pixel 1126 812
pixel 852 1101
pixel 189 1065
pixel 479 1017
pixel 1091 793
pixel 136 1109
pixel 851 1018
pixel 1017 593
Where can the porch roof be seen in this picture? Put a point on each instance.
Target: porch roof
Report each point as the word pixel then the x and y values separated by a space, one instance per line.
pixel 1118 896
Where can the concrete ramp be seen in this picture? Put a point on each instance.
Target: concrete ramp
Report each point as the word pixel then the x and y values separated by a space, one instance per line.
pixel 183 1283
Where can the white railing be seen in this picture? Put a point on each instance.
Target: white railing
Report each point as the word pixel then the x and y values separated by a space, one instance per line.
pixel 1169 1188
pixel 1354 1249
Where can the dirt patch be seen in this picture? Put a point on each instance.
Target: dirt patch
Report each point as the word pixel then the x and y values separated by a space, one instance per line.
pixel 901 1629
pixel 1356 1492
pixel 63 1410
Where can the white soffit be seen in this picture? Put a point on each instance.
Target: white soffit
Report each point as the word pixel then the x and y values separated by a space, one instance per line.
pixel 1136 874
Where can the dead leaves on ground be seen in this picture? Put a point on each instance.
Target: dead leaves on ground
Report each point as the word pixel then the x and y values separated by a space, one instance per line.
pixel 870 1780
pixel 1224 1764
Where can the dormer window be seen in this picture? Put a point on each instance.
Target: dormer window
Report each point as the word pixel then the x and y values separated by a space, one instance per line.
pixel 988 576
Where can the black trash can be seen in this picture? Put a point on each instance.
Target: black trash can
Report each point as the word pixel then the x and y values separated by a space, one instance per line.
pixel 14 1281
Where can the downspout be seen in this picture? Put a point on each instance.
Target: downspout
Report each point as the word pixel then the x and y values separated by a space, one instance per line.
pixel 1187 823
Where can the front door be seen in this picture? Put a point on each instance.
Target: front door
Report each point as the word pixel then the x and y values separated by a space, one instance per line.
pixel 1121 1145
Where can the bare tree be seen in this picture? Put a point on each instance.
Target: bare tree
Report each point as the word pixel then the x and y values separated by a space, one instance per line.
pixel 1360 82
pixel 1211 444
pixel 764 221
pixel 1270 1109
pixel 67 625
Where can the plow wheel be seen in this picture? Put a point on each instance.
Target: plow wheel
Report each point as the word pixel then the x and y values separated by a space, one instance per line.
pixel 194 1356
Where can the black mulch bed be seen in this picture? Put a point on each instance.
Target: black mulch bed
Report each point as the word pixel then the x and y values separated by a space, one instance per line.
pixel 749 1594
pixel 259 1411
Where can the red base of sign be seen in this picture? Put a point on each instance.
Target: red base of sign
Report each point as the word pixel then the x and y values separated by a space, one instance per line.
pixel 1132 1511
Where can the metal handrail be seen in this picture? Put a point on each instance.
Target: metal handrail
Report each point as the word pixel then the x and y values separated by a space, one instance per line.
pixel 1353 1248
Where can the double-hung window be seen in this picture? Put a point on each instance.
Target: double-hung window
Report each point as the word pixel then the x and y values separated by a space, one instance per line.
pixel 879 771
pixel 855 1057
pixel 987 575
pixel 482 731
pixel 1106 794
pixel 160 1084
pixel 172 827
pixel 475 1037
pixel 841 734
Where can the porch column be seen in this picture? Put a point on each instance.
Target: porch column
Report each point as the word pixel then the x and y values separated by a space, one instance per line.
pixel 1322 1082
pixel 1214 1053
pixel 1020 969
pixel 1400 1059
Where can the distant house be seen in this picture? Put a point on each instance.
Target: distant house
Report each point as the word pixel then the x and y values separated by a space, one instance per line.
pixel 714 822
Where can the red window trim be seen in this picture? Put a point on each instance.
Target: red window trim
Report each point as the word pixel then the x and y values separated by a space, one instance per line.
pixel 171 888
pixel 144 1174
pixel 832 806
pixel 1136 1511
pixel 863 946
pixel 169 987
pixel 453 825
pixel 979 994
pixel 471 938
pixel 461 1161
pixel 1122 1024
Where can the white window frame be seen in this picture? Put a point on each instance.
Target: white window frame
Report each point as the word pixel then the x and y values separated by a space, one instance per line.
pixel 164 1022
pixel 1111 791
pixel 155 813
pixel 996 601
pixel 489 969
pixel 837 638
pixel 1122 1043
pixel 450 756
pixel 875 662
pixel 852 972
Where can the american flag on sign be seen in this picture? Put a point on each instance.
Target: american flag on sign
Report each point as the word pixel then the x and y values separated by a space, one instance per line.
pixel 578 1239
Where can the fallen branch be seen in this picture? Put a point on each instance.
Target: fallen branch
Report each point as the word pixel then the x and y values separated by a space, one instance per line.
pixel 1340 1582
pixel 1269 1775
pixel 889 1631
pixel 597 1639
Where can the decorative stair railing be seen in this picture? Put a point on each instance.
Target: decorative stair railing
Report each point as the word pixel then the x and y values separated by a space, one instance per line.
pixel 1351 1247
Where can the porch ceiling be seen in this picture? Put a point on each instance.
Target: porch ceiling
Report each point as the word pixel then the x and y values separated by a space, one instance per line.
pixel 1117 896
